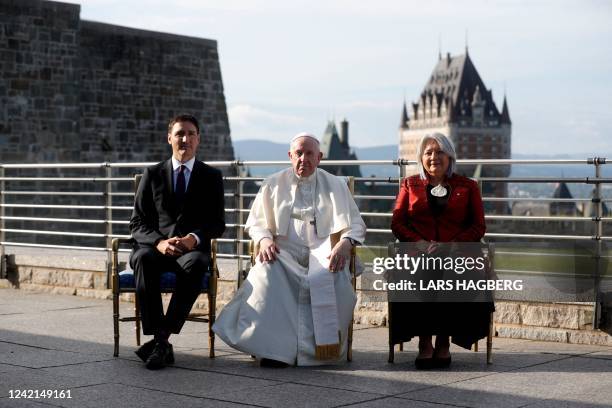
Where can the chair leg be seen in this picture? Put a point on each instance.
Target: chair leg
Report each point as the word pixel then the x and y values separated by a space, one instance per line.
pixel 401 346
pixel 137 317
pixel 476 347
pixel 349 349
pixel 391 352
pixel 490 341
pixel 349 340
pixel 212 308
pixel 116 323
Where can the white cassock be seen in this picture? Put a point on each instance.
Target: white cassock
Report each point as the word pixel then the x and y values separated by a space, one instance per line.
pixel 295 310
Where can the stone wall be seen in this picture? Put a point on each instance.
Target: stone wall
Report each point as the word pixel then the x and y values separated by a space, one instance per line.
pixel 133 81
pixel 39 92
pixel 80 91
pixel 74 90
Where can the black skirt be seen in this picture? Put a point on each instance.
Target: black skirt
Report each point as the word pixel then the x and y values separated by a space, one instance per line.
pixel 466 323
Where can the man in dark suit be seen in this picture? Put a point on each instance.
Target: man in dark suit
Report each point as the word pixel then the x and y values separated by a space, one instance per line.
pixel 178 208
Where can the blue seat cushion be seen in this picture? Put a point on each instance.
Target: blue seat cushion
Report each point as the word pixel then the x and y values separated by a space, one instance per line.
pixel 168 280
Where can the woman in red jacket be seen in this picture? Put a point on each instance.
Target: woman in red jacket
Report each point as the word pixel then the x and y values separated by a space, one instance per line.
pixel 438 205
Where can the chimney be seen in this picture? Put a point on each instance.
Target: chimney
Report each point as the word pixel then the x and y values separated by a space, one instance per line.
pixel 344 133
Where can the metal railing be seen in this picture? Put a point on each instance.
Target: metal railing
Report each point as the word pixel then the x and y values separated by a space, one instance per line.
pixel 110 187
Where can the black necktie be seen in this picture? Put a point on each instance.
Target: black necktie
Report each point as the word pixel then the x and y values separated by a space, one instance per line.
pixel 179 191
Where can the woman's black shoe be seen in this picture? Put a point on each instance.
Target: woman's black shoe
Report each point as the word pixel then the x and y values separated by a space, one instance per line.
pixel 269 363
pixel 442 362
pixel 424 363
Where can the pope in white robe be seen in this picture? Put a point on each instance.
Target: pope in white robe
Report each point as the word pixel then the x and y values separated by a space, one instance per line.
pixel 297 302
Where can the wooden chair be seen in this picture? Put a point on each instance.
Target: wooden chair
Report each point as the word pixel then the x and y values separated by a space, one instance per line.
pixel 123 282
pixel 489 254
pixel 254 250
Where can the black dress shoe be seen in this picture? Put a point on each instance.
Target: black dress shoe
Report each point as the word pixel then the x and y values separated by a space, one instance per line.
pixel 424 363
pixel 442 362
pixel 269 363
pixel 161 356
pixel 144 351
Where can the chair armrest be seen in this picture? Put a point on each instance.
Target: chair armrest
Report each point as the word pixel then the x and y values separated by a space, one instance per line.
pixel 113 278
pixel 253 250
pixel 213 256
pixel 118 241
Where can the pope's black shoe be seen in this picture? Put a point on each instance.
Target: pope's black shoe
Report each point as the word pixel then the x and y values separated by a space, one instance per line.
pixel 144 351
pixel 161 356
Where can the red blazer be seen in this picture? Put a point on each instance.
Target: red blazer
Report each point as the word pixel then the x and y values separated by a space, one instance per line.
pixel 462 220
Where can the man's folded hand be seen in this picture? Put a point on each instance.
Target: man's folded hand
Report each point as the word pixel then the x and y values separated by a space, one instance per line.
pixel 171 247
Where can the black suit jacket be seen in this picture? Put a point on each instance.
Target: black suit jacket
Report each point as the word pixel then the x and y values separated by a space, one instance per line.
pixel 157 216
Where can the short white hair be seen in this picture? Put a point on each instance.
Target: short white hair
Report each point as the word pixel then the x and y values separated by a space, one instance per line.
pixel 446 145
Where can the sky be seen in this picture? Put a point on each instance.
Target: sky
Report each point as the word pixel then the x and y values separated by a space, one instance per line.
pixel 290 66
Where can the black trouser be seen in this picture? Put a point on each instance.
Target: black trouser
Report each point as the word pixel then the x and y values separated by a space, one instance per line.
pixel 148 265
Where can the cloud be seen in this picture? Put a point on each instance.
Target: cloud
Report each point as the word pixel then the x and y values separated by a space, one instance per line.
pixel 366 104
pixel 245 115
pixel 252 122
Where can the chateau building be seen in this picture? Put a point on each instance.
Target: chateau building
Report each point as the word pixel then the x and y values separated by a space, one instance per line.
pixel 335 146
pixel 456 102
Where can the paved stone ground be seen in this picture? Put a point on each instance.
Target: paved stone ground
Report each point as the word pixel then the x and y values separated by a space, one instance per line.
pixel 65 343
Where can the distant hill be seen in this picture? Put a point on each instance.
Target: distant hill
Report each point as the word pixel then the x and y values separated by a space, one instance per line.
pixel 265 150
pixel 260 150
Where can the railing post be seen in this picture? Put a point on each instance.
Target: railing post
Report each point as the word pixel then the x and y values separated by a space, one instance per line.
pixel 240 230
pixel 3 266
pixel 107 219
pixel 598 243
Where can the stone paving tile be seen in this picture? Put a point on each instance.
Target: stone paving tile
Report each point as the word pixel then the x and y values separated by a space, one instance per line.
pixel 34 357
pixel 17 300
pixel 170 379
pixel 88 347
pixel 25 403
pixel 384 382
pixel 390 402
pixel 607 354
pixel 10 369
pixel 566 404
pixel 296 396
pixel 121 395
pixel 569 379
pixel 502 359
pixel 532 346
pixel 37 380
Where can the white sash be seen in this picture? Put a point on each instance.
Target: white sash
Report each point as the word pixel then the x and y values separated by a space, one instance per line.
pixel 323 303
